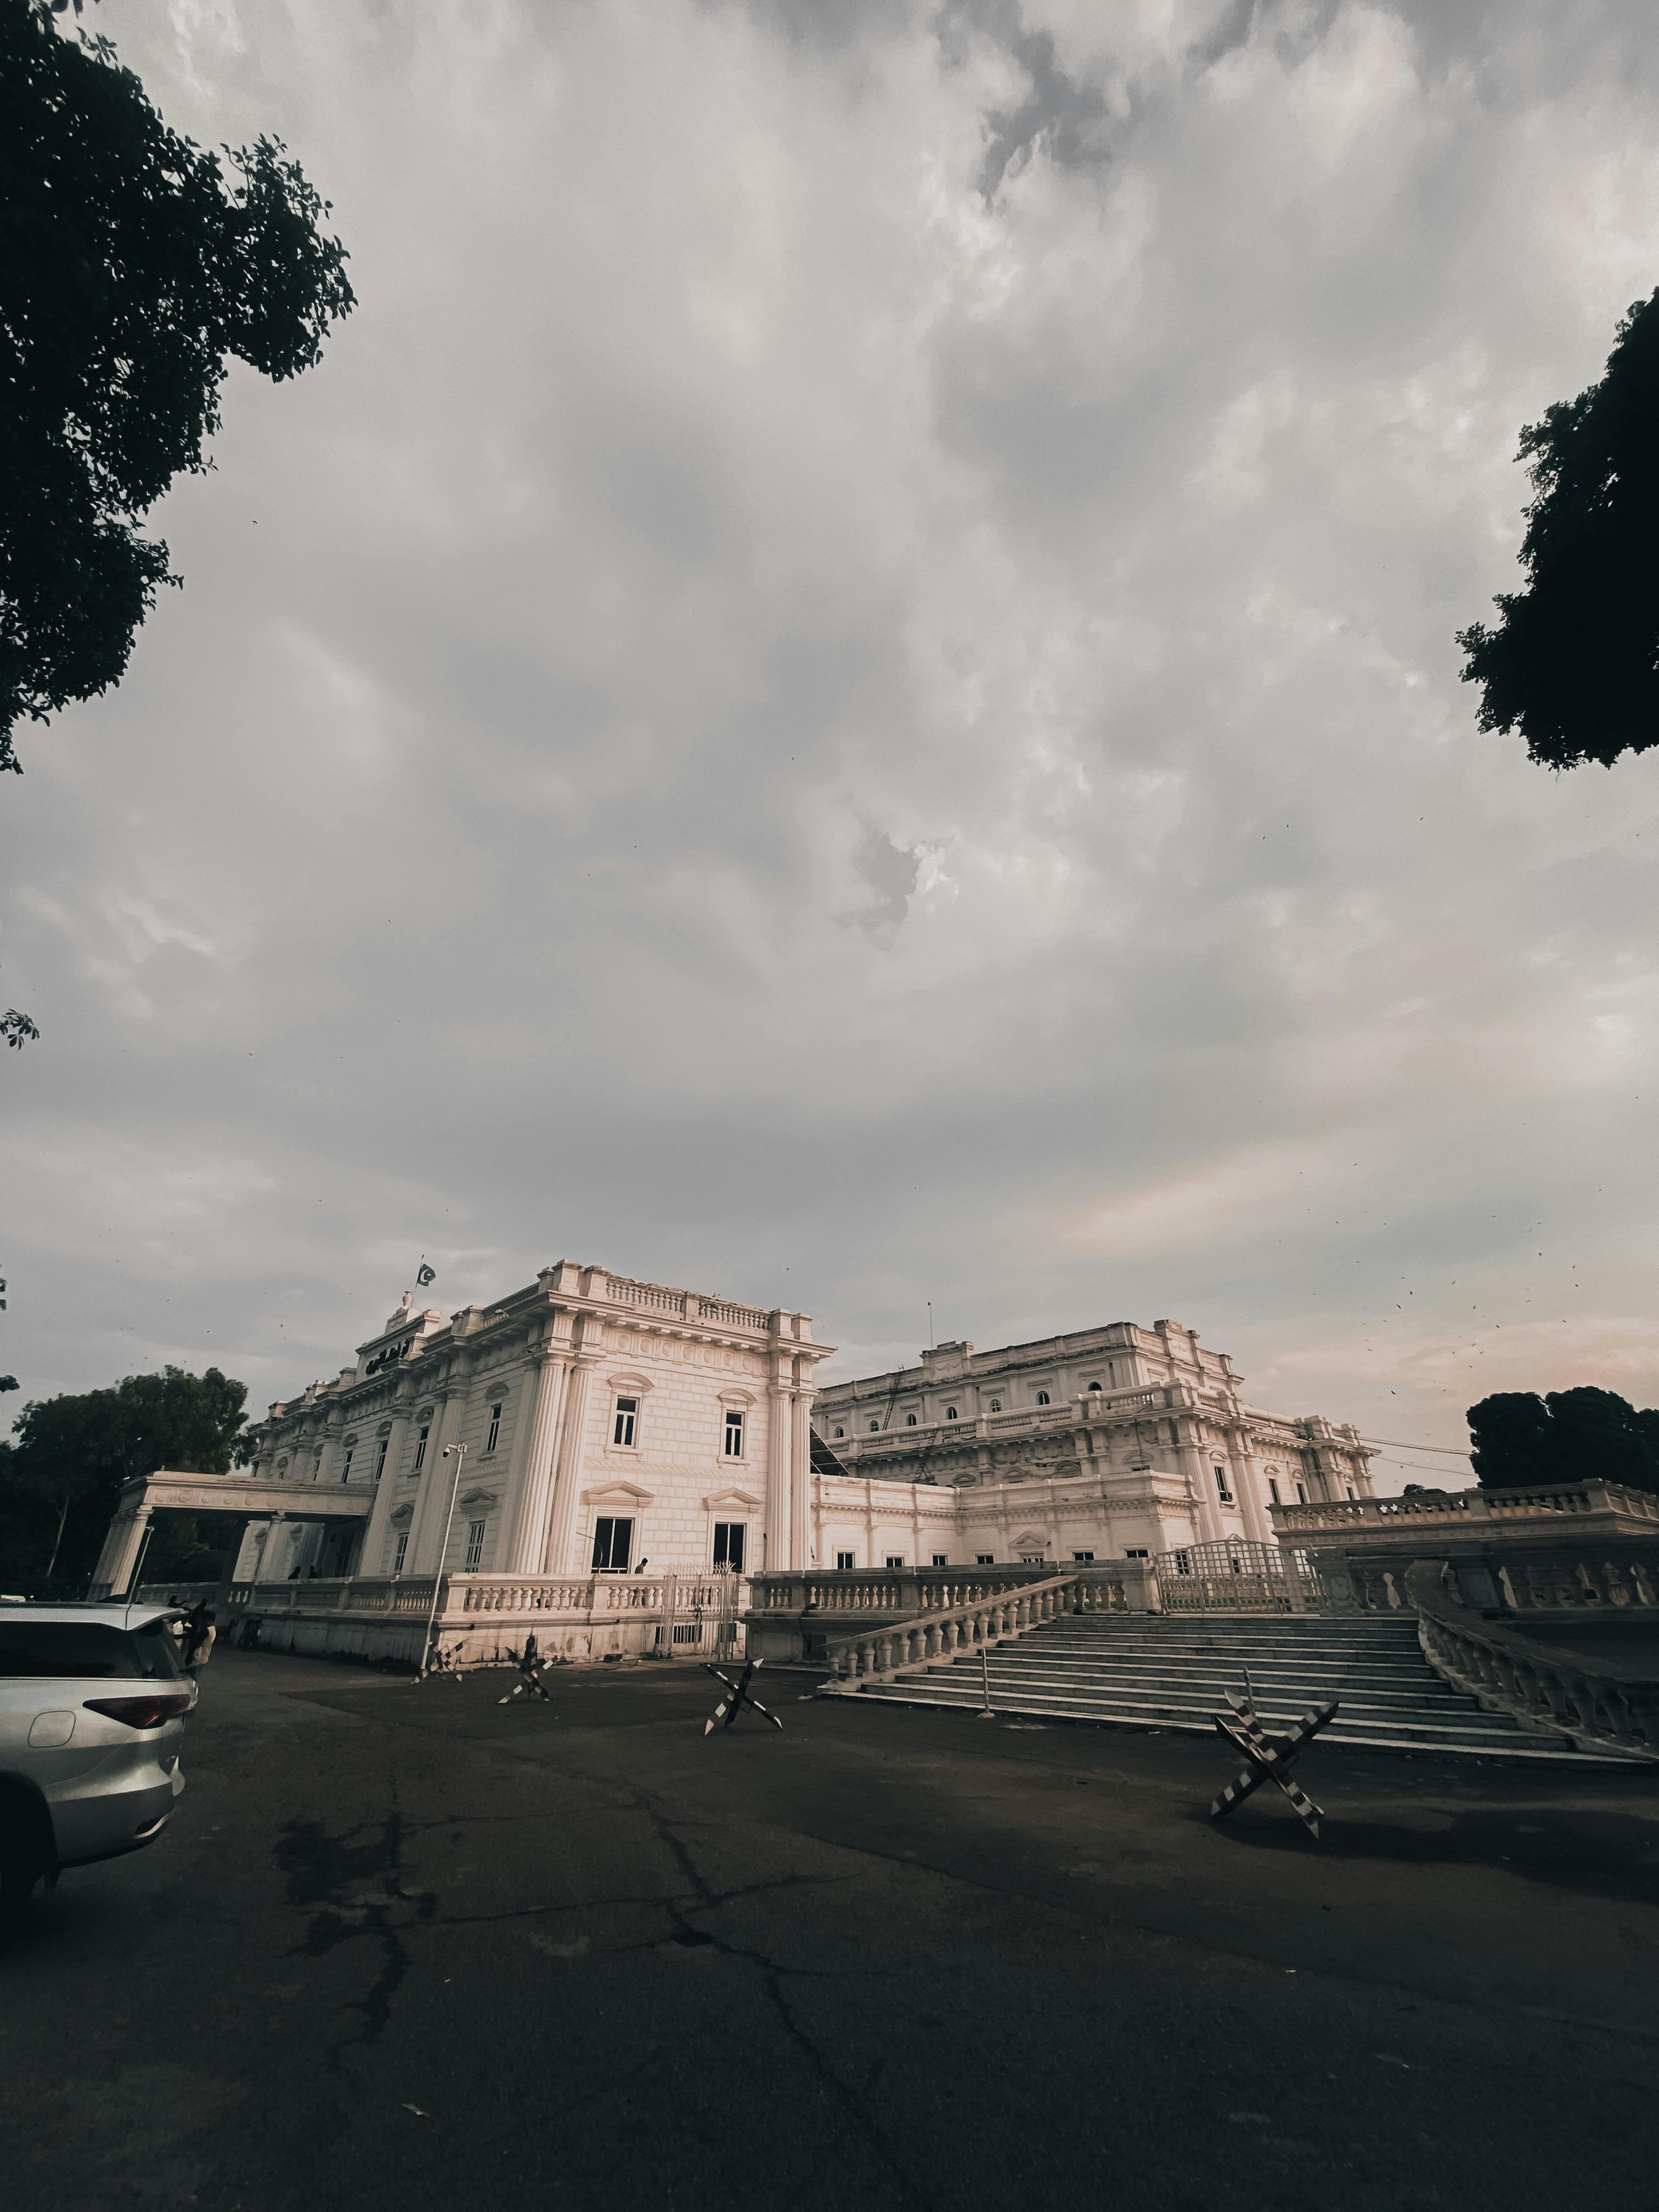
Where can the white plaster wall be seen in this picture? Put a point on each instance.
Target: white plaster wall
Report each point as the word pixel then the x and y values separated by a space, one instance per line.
pixel 678 1457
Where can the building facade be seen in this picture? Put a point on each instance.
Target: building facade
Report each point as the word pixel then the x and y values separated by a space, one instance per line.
pixel 604 1422
pixel 1110 1442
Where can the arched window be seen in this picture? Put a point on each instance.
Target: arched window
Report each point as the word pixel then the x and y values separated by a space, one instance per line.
pixel 875 1427
pixel 996 1405
pixel 840 1432
pixel 1094 1385
pixel 950 1412
pixel 909 1420
pixel 1043 1397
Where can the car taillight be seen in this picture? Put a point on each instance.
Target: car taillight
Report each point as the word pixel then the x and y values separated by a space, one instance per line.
pixel 145 1712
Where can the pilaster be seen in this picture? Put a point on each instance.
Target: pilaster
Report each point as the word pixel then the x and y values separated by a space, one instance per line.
pixel 523 1545
pixel 779 1557
pixel 567 1475
pixel 800 1462
pixel 368 1559
pixel 1197 1473
pixel 425 1530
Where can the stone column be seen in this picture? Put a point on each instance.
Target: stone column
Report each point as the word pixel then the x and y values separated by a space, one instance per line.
pixel 426 1530
pixel 523 1542
pixel 1194 1467
pixel 800 1461
pixel 227 1572
pixel 1247 1481
pixel 779 1554
pixel 568 1474
pixel 120 1551
pixel 368 1559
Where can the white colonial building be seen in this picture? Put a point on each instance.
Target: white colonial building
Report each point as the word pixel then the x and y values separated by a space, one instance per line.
pixel 604 1422
pixel 588 1425
pixel 1112 1442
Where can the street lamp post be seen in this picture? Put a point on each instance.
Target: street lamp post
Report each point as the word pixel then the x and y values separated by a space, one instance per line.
pixel 458 1453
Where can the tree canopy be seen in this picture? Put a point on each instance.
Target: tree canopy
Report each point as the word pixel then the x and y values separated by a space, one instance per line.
pixel 1568 1436
pixel 61 1475
pixel 1574 663
pixel 134 265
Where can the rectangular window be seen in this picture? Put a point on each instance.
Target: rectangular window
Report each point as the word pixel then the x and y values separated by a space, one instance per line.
pixel 1221 1489
pixel 985 1559
pixel 380 1458
pixel 846 1561
pixel 1136 1552
pixel 613 1546
pixel 623 1428
pixel 1084 1558
pixel 398 1556
pixel 733 1432
pixel 1273 1490
pixel 494 1436
pixel 345 1464
pixel 1301 1493
pixel 1351 1490
pixel 893 1562
pixel 419 1447
pixel 941 1559
pixel 474 1544
pixel 728 1545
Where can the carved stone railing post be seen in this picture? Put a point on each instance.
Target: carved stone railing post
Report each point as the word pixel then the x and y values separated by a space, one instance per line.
pixel 903 1647
pixel 1595 1705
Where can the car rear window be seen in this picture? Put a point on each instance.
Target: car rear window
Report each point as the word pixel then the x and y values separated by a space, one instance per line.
pixel 65 1648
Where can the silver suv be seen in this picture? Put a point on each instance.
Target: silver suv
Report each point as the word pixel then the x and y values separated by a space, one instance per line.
pixel 93 1702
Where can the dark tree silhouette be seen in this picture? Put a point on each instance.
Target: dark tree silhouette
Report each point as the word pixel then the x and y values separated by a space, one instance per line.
pixel 1570 1435
pixel 132 266
pixel 61 1476
pixel 1574 663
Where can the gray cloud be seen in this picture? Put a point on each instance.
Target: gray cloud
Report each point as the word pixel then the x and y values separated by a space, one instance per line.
pixel 793 727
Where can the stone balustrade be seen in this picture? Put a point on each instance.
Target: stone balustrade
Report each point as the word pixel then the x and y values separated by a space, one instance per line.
pixel 902 1647
pixel 875 1589
pixel 1636 1511
pixel 676 1612
pixel 682 1305
pixel 801 1616
pixel 182 1594
pixel 1591 1703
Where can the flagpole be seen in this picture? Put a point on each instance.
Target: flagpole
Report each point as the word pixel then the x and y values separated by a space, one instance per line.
pixel 458 1453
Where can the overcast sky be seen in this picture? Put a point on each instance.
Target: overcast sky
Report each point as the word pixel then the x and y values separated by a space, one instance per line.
pixel 842 689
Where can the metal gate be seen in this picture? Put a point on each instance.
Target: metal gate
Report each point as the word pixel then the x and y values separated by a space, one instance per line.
pixel 700 1611
pixel 1231 1577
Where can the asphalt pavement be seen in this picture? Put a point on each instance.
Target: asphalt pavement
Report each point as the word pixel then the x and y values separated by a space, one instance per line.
pixel 404 1947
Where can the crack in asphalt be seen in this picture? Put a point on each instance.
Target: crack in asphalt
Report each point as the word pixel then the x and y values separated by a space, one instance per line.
pixel 670 1902
pixel 350 1890
pixel 774 1974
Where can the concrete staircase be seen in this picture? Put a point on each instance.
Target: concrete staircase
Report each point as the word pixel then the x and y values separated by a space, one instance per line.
pixel 1176 1672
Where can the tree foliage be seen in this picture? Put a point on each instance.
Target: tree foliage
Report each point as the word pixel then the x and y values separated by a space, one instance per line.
pixel 1574 663
pixel 60 1477
pixel 1568 1436
pixel 133 265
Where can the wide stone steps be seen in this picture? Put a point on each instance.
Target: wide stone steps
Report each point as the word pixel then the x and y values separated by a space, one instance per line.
pixel 1177 1675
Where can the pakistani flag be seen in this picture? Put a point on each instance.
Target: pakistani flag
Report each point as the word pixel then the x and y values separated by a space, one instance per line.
pixel 424 1275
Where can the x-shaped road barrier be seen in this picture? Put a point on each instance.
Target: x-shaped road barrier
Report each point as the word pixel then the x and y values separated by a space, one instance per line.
pixel 737 1697
pixel 1270 1758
